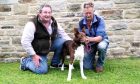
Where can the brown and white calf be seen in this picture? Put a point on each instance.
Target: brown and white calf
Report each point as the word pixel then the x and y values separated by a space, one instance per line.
pixel 75 49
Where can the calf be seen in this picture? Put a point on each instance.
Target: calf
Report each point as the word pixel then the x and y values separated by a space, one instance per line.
pixel 75 49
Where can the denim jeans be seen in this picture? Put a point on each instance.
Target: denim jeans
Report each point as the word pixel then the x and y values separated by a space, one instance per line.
pixel 43 68
pixel 89 57
pixel 57 48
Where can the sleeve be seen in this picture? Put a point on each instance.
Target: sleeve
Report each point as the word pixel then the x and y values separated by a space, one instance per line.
pixel 27 38
pixel 62 33
pixel 101 28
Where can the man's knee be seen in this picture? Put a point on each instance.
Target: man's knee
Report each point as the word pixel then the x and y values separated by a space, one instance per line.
pixel 41 71
pixel 102 46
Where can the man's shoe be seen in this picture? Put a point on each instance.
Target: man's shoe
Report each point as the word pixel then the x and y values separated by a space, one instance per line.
pixel 58 66
pixel 22 67
pixel 99 69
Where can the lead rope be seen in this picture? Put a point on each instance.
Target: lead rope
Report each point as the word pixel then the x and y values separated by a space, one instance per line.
pixel 88 48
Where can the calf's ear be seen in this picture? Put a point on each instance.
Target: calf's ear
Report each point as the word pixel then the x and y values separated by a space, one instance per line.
pixel 76 31
pixel 83 30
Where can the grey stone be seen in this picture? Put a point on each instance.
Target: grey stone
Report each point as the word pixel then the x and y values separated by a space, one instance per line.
pixel 103 5
pixel 5 8
pixel 112 14
pixel 136 44
pixel 7 27
pixel 117 52
pixel 25 1
pixel 21 9
pixel 134 26
pixel 118 26
pixel 59 6
pixel 115 39
pixel 126 1
pixel 16 40
pixel 74 7
pixel 4 42
pixel 7 60
pixel 8 1
pixel 132 14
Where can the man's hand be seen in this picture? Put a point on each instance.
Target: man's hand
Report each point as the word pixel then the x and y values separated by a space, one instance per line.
pixel 87 40
pixel 36 59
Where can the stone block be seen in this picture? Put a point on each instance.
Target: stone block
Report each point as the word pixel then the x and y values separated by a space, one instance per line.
pixel 1 32
pixel 110 33
pixel 123 32
pixel 135 51
pixel 4 55
pixel 75 1
pixel 23 20
pixel 74 7
pixel 116 39
pixel 125 45
pixel 111 14
pixel 25 1
pixel 136 44
pixel 112 45
pixel 4 43
pixel 127 6
pixel 7 49
pixel 8 23
pixel 5 8
pixel 126 1
pixel 59 6
pixel 101 0
pixel 19 54
pixel 8 1
pixel 103 5
pixel 7 27
pixel 16 40
pixel 137 5
pixel 11 17
pixel 134 26
pixel 12 32
pixel 2 18
pixel 118 26
pixel 4 37
pixel 128 38
pixel 132 14
pixel 19 48
pixel 33 10
pixel 117 52
pixel 137 38
pixel 11 59
pixel 21 9
pixel 68 14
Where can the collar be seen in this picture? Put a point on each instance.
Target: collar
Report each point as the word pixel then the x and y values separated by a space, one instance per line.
pixel 93 20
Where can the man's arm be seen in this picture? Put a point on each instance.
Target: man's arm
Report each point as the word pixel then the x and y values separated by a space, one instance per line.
pixel 99 33
pixel 62 33
pixel 27 38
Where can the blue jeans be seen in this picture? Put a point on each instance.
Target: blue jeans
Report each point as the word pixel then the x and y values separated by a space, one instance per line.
pixel 43 68
pixel 89 58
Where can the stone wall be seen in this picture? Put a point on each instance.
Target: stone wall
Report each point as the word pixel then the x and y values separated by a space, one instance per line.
pixel 122 19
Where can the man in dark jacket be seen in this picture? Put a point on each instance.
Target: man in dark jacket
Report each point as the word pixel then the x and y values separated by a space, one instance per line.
pixel 40 36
